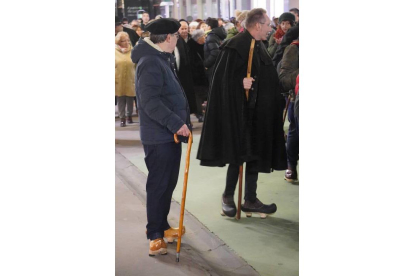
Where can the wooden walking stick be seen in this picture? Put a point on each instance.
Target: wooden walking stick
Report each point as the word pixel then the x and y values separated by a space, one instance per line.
pixel 187 167
pixel 249 71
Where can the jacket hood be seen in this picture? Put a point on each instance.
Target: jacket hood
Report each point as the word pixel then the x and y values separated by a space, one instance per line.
pixel 220 32
pixel 146 47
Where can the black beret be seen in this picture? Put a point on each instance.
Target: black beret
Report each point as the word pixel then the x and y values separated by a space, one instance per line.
pixel 163 26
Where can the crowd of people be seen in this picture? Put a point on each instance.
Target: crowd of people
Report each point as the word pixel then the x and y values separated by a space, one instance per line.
pixel 173 68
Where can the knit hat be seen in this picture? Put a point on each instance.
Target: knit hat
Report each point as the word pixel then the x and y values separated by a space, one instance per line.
pixel 287 16
pixel 197 34
pixel 242 16
pixel 237 13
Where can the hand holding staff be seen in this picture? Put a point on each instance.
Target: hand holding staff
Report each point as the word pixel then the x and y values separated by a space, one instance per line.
pixel 249 66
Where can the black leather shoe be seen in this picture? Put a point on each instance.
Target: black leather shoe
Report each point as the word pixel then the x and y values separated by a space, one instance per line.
pixel 258 207
pixel 291 175
pixel 129 120
pixel 228 207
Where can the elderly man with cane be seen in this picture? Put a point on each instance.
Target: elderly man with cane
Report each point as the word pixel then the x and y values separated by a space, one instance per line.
pixel 163 112
pixel 242 127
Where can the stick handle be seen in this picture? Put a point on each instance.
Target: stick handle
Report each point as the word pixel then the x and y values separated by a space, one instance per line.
pixel 187 168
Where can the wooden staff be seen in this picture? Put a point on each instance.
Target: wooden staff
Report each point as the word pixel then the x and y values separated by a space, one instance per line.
pixel 249 65
pixel 249 71
pixel 187 167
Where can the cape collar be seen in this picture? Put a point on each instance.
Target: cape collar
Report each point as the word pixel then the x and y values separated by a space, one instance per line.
pixel 241 43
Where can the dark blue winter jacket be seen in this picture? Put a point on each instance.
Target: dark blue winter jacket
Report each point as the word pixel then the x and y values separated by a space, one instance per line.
pixel 162 105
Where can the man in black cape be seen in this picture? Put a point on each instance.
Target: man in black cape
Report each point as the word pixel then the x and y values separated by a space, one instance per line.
pixel 183 66
pixel 237 130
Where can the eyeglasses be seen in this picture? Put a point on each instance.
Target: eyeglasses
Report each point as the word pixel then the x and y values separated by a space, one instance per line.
pixel 269 25
pixel 177 35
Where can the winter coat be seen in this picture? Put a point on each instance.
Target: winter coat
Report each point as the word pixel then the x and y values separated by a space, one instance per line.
pixel 289 68
pixel 231 33
pixel 185 75
pixel 272 46
pixel 289 37
pixel 211 46
pixel 162 105
pixel 197 67
pixel 124 73
pixel 211 49
pixel 236 130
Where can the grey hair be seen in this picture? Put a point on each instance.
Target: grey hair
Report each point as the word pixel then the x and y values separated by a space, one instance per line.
pixel 255 16
pixel 197 34
pixel 158 38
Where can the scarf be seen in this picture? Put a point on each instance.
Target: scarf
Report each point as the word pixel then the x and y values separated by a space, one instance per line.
pixel 279 33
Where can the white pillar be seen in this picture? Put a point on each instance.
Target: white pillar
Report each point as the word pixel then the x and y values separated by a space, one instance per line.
pixel 268 8
pixel 209 8
pixel 167 11
pixel 224 8
pixel 200 11
pixel 182 9
pixel 175 10
pixel 286 6
pixel 231 8
pixel 277 7
pixel 239 5
pixel 188 8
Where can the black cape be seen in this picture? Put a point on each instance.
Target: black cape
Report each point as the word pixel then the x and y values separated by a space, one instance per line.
pixel 236 131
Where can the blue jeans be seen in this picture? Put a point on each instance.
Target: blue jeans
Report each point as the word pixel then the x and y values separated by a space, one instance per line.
pixel 163 163
pixel 292 144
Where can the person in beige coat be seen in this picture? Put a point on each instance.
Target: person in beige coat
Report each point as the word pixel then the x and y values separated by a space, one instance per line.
pixel 124 77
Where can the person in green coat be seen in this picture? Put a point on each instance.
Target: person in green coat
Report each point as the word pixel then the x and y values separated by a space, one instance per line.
pixel 239 25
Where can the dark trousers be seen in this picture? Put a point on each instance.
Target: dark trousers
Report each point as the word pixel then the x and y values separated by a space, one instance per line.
pixel 250 182
pixel 136 104
pixel 163 163
pixel 292 144
pixel 201 96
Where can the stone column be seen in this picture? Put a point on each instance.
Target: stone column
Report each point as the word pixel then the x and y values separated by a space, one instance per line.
pixel 188 8
pixel 182 9
pixel 200 11
pixel 209 8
